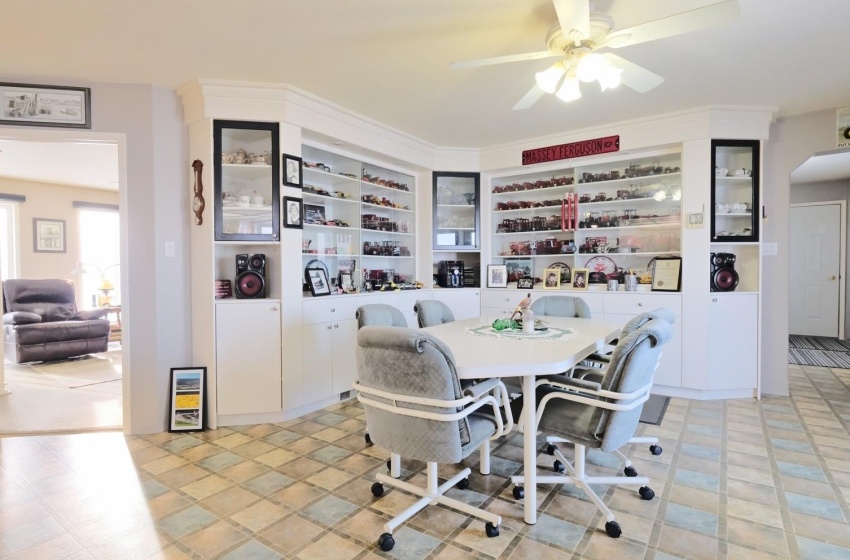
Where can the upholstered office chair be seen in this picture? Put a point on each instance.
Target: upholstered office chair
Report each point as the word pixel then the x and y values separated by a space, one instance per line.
pixel 381 315
pixel 561 306
pixel 415 407
pixel 431 312
pixel 602 415
pixel 601 359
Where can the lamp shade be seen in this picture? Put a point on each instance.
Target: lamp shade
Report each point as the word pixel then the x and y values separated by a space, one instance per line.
pixel 548 79
pixel 569 90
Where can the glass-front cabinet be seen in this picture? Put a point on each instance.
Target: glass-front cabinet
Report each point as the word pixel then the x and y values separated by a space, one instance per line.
pixel 247 177
pixel 359 222
pixel 734 191
pixel 456 210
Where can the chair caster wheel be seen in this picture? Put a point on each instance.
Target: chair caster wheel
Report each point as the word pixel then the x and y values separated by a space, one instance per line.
pixel 377 489
pixel 491 530
pixel 519 493
pixel 389 464
pixel 558 467
pixel 630 471
pixel 613 529
pixel 550 449
pixel 463 484
pixel 386 542
pixel 646 492
pixel 655 449
pixel 368 439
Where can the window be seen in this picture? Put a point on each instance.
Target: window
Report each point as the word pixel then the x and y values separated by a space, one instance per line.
pixel 100 255
pixel 9 246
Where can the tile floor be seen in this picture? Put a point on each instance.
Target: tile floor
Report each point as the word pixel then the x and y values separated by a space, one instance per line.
pixel 737 479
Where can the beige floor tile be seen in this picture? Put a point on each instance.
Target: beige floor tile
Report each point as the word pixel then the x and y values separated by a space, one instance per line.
pixel 754 512
pixel 214 539
pixel 603 547
pixel 181 476
pixel 291 533
pixel 761 537
pixel 686 544
pixel 233 440
pixel 230 500
pixel 276 457
pixel 527 550
pixel 748 474
pixel 244 471
pixel 260 515
pixel 739 552
pixel 329 478
pixel 821 529
pixel 330 547
pixel 300 468
pixel 206 487
pixel 694 497
pixel 752 492
pixel 475 538
pixel 298 496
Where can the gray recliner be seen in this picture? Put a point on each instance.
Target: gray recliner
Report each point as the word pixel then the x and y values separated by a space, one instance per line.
pixel 415 407
pixel 431 312
pixel 602 415
pixel 41 322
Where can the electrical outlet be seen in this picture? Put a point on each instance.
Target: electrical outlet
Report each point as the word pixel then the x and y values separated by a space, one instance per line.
pixel 169 248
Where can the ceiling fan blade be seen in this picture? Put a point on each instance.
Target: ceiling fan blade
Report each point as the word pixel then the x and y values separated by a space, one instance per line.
pixel 574 15
pixel 529 98
pixel 685 22
pixel 502 59
pixel 636 77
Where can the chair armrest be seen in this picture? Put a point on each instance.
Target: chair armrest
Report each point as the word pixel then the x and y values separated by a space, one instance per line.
pixel 88 315
pixel 562 381
pixel 480 388
pixel 21 318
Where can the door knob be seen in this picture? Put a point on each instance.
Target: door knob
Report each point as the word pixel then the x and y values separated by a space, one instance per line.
pixel 274 308
pixel 833 277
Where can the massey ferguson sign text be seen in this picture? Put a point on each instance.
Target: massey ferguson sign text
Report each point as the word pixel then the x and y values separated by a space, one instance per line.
pixel 573 150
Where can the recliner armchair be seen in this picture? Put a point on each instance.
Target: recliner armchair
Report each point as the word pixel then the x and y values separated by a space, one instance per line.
pixel 41 322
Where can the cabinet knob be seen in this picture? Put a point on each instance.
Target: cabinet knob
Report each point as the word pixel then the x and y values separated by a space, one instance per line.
pixel 330 327
pixel 714 300
pixel 274 308
pixel 833 277
pixel 640 304
pixel 333 309
pixel 477 293
pixel 336 326
pixel 507 299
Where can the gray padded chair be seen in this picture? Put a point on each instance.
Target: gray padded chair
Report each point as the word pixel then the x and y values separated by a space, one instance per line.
pixel 431 312
pixel 415 407
pixel 632 324
pixel 561 306
pixel 602 415
pixel 379 315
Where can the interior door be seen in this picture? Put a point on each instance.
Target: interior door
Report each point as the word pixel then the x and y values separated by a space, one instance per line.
pixel 813 287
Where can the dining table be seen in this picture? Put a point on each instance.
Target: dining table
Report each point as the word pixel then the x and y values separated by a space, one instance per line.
pixel 555 346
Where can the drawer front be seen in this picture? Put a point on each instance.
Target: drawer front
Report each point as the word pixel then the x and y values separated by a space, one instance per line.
pixel 326 310
pixel 502 298
pixel 637 303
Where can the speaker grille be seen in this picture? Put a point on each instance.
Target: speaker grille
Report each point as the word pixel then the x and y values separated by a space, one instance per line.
pixel 250 284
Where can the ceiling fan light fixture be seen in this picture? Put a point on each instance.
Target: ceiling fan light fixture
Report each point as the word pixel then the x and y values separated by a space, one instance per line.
pixel 591 67
pixel 569 90
pixel 548 79
pixel 610 77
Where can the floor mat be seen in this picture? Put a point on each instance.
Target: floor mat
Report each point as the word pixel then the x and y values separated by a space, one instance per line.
pixel 822 358
pixel 654 409
pixel 818 343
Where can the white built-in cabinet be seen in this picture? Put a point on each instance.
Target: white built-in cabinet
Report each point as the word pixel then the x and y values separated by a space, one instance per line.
pixel 733 337
pixel 464 303
pixel 247 335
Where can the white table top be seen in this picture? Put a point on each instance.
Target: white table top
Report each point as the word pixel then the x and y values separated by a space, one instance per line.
pixel 478 357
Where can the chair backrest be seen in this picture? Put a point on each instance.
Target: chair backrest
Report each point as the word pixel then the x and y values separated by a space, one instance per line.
pixel 561 306
pixel 645 317
pixel 632 366
pixel 53 300
pixel 379 315
pixel 431 312
pixel 412 363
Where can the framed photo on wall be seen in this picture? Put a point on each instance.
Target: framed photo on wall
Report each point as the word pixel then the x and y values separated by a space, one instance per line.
pixel 48 236
pixel 293 213
pixel 292 170
pixel 187 399
pixel 497 276
pixel 37 105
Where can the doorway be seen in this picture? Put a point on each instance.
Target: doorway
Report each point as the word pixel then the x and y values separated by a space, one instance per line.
pixel 816 283
pixel 63 403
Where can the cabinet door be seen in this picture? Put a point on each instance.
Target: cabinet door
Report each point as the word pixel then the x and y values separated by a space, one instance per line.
pixel 465 304
pixel 246 158
pixel 734 190
pixel 318 362
pixel 456 211
pixel 733 339
pixel 669 372
pixel 248 357
pixel 344 355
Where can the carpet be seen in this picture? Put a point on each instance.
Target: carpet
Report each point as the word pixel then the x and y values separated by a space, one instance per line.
pixel 83 371
pixel 818 351
pixel 654 409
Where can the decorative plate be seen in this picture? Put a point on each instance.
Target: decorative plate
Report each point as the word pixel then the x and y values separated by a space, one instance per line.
pixel 601 263
pixel 566 272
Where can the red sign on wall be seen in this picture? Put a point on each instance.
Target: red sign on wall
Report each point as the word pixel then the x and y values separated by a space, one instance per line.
pixel 572 150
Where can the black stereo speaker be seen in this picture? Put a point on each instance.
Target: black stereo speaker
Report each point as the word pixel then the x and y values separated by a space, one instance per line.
pixel 723 275
pixel 450 274
pixel 250 276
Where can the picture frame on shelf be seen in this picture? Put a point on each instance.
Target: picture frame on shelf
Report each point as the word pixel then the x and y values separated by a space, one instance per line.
pixel 292 170
pixel 552 279
pixel 667 274
pixel 497 276
pixel 187 399
pixel 318 282
pixel 293 212
pixel 525 284
pixel 519 268
pixel 580 279
pixel 346 282
pixel 48 236
pixel 314 214
pixel 43 105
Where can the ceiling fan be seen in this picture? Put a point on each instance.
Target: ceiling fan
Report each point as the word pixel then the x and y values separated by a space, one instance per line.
pixel 581 32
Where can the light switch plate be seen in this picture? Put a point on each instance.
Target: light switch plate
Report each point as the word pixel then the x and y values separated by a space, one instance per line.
pixel 696 220
pixel 769 249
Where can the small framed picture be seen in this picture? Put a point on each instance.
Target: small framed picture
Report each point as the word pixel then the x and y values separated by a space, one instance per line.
pixel 346 282
pixel 497 276
pixel 579 279
pixel 187 399
pixel 318 281
pixel 292 170
pixel 525 284
pixel 552 279
pixel 293 213
pixel 519 268
pixel 48 236
pixel 38 105
pixel 314 214
pixel 667 274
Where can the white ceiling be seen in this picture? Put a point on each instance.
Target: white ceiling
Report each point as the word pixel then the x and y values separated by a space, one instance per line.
pixel 390 60
pixel 78 164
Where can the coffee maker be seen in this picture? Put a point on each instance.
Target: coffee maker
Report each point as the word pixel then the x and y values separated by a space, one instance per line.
pixel 450 274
